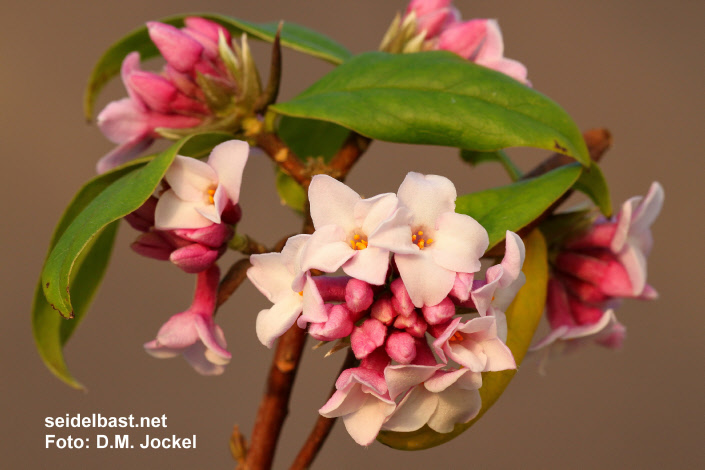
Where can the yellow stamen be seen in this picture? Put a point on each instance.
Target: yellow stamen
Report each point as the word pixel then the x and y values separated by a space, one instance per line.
pixel 358 242
pixel 356 237
pixel 211 193
pixel 418 240
pixel 429 241
pixel 413 238
pixel 301 293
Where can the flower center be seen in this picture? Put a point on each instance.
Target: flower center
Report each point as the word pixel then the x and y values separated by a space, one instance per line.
pixel 211 193
pixel 420 240
pixel 457 336
pixel 358 242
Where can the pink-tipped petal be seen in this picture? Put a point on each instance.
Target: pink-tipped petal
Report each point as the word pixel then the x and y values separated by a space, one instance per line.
pixel 178 49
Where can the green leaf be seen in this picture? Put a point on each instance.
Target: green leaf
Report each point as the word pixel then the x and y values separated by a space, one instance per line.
pixel 293 36
pixel 116 201
pixel 437 98
pixel 306 138
pixel 475 158
pixel 312 138
pixel 51 331
pixel 514 206
pixel 523 317
pixel 290 192
pixel 592 182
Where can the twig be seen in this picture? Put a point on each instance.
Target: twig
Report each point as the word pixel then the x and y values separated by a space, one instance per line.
pixel 598 142
pixel 232 280
pixel 320 430
pixel 275 403
pixel 283 156
pixel 353 148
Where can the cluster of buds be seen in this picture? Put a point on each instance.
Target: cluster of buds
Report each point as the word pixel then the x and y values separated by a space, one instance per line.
pixel 209 83
pixel 189 223
pixel 436 25
pixel 420 361
pixel 594 269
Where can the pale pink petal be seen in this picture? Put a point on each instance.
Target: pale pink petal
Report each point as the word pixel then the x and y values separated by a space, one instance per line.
pixel 195 355
pixel 427 196
pixel 228 160
pixel 178 332
pixel 394 234
pixel 427 282
pixel 273 322
pixel 493 46
pixel 364 424
pixel 634 263
pixel 332 203
pixel 344 401
pixel 460 241
pixel 190 179
pixel 413 411
pixel 371 212
pixel 314 309
pixel 401 378
pixel 271 276
pixel 649 208
pixel 154 349
pixel 326 250
pixel 173 212
pixel 123 121
pixel 369 265
pixel 212 337
pixel 455 406
pixel 123 153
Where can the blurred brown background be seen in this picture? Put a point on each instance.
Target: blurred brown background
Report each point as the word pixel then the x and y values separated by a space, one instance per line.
pixel 634 67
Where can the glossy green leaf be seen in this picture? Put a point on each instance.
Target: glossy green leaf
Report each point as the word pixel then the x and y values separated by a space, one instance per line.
pixel 52 331
pixel 290 192
pixel 592 182
pixel 523 317
pixel 312 138
pixel 437 98
pixel 514 206
pixel 293 36
pixel 306 138
pixel 117 200
pixel 475 158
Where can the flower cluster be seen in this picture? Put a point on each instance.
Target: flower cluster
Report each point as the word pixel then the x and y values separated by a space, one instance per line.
pixel 436 25
pixel 409 261
pixel 208 83
pixel 597 268
pixel 189 223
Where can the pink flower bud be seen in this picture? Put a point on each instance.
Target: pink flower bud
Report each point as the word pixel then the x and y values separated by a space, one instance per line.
pixel 383 311
pixel 194 258
pixel 358 295
pixel 435 314
pixel 179 49
pixel 367 337
pixel 401 301
pixel 412 323
pixel 401 347
pixel 339 325
pixel 143 218
pixel 153 245
pixel 212 236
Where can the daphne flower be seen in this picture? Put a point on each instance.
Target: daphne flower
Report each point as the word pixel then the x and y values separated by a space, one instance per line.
pixel 502 282
pixel 474 345
pixel 277 276
pixel 362 400
pixel 440 243
pixel 351 232
pixel 439 398
pixel 193 333
pixel 199 191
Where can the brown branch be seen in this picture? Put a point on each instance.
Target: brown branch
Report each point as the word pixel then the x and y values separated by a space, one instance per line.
pixel 283 156
pixel 598 141
pixel 353 148
pixel 321 429
pixel 275 404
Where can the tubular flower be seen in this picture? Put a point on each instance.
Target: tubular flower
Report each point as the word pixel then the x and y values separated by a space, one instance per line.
pixel 594 270
pixel 440 244
pixel 200 192
pixel 436 25
pixel 193 332
pixel 352 232
pixel 208 83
